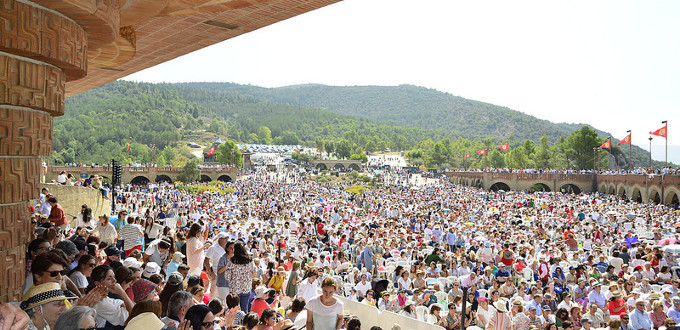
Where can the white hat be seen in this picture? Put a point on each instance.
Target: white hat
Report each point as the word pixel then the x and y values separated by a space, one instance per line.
pixel 221 235
pixel 260 291
pixel 500 306
pixel 132 262
pixel 150 269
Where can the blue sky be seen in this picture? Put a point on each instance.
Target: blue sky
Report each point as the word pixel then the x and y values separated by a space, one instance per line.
pixel 612 64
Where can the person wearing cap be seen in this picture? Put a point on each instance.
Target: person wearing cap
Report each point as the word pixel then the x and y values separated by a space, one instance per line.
pixel 44 303
pixel 597 296
pixel 502 274
pixel 586 324
pixel 639 319
pixel 259 303
pixel 212 259
pixel 534 318
pixel 616 304
pixel 112 254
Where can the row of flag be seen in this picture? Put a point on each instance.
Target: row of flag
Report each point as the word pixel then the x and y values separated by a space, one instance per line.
pixel 626 140
pixel 607 145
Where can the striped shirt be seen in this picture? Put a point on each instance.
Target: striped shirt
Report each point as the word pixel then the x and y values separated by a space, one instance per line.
pixel 131 234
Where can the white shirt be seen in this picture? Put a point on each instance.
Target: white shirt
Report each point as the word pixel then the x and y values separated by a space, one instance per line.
pixel 362 288
pixel 214 253
pixel 111 310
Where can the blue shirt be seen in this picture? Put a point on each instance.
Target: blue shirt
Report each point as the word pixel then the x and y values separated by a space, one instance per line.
pixel 640 320
pixel 221 280
pixel 674 313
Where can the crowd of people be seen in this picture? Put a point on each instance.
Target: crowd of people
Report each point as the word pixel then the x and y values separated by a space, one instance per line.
pixel 286 252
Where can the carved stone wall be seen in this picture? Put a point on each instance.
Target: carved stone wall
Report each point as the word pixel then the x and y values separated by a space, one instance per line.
pixel 40 49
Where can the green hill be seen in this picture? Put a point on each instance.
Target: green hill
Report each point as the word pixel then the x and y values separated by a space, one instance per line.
pixel 160 118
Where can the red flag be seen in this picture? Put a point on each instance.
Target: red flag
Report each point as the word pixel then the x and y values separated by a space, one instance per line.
pixel 607 145
pixel 468 156
pixel 128 147
pixel 482 152
pixel 660 132
pixel 505 147
pixel 625 140
pixel 211 151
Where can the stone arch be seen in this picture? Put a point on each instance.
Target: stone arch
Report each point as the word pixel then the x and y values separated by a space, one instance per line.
pixel 354 167
pixel 499 186
pixel 654 195
pixel 570 188
pixel 140 180
pixel 339 167
pixel 204 178
pixel 672 197
pixel 612 189
pixel 225 178
pixel 636 194
pixel 163 178
pixel 539 186
pixel 602 188
pixel 621 190
pixel 321 166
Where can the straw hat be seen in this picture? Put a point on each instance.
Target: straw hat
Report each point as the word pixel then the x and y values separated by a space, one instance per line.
pixel 147 321
pixel 500 306
pixel 42 294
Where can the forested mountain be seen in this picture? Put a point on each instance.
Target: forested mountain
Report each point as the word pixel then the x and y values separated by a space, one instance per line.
pixel 408 105
pixel 436 128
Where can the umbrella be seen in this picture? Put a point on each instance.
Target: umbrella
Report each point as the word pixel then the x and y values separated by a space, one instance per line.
pixel 675 248
pixel 630 216
pixel 668 241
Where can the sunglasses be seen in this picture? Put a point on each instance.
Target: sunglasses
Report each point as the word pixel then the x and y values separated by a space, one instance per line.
pixel 92 265
pixel 45 248
pixel 57 272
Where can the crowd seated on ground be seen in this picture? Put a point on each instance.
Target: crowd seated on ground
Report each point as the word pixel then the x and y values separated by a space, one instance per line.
pixel 285 252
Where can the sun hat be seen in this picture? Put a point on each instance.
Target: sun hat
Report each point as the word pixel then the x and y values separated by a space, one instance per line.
pixel 151 269
pixel 175 278
pixel 147 321
pixel 132 262
pixel 616 294
pixel 41 294
pixel 260 291
pixel 142 288
pixel 500 306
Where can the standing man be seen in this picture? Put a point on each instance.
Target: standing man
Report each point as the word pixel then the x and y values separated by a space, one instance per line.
pixel 212 258
pixel 57 214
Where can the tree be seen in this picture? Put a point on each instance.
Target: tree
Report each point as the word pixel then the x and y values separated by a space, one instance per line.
pixel 542 157
pixel 496 159
pixel 190 171
pixel 265 135
pixel 362 157
pixel 160 160
pixel 228 153
pixel 343 149
pixel 301 157
pixel 579 147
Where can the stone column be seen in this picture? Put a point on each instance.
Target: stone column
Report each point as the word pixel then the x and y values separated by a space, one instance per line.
pixel 43 44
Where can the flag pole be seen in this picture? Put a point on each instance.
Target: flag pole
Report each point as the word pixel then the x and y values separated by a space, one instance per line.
pixel 665 122
pixel 650 152
pixel 630 149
